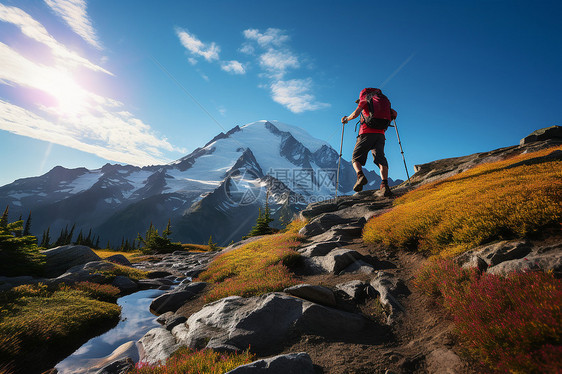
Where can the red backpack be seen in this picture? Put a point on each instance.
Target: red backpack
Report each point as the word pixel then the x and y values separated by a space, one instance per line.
pixel 378 107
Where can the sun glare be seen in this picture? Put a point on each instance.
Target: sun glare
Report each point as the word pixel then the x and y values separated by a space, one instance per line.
pixel 70 97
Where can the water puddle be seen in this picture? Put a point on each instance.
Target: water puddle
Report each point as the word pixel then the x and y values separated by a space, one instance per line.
pixel 136 320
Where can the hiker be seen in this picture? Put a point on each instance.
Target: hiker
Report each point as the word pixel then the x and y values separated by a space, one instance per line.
pixel 376 114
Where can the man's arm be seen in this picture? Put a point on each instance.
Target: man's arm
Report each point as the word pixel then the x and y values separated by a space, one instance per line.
pixel 353 115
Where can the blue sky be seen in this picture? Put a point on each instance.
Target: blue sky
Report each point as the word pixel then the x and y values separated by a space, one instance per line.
pixel 83 83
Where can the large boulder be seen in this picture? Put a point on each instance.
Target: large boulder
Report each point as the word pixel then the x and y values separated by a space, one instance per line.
pixel 292 363
pixel 552 132
pixel 265 322
pixel 58 260
pixel 156 346
pixel 125 284
pixel 119 259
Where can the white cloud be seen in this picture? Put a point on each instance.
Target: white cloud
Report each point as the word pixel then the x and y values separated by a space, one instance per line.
pixel 233 67
pixel 278 61
pixel 117 138
pixel 73 12
pixel 247 48
pixel 271 36
pixel 209 52
pixel 34 30
pixel 192 61
pixel 295 95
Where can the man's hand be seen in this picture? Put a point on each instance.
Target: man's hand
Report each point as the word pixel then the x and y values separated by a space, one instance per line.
pixel 344 120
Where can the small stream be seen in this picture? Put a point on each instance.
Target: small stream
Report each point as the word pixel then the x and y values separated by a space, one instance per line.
pixel 136 320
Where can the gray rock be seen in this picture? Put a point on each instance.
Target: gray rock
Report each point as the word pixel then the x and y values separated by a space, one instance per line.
pixel 119 259
pixel 337 260
pixel 292 363
pixel 358 267
pixel 550 261
pixel 442 360
pixel 156 346
pixel 174 321
pixel 58 260
pixel 171 301
pixel 552 132
pixel 125 284
pixel 265 322
pixel 314 210
pixel 354 289
pixel 145 284
pixel 476 262
pixel 158 274
pixel 195 287
pixel 322 223
pixel 316 294
pixel 319 249
pixel 164 318
pixel 122 366
pixel 116 361
pixel 389 288
pixel 349 230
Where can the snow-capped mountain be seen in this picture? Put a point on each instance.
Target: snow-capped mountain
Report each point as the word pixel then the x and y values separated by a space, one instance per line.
pixel 216 190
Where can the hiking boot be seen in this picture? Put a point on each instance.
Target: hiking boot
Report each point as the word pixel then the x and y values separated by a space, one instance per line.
pixel 385 189
pixel 361 181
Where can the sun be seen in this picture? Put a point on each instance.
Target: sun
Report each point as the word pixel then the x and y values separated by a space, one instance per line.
pixel 70 97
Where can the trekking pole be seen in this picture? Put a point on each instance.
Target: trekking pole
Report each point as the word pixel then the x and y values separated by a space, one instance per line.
pixel 339 162
pixel 401 150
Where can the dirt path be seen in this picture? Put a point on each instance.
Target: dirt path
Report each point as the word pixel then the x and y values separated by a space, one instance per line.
pixel 419 341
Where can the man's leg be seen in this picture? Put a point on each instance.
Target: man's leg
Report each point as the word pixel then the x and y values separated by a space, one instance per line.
pixel 380 160
pixel 359 158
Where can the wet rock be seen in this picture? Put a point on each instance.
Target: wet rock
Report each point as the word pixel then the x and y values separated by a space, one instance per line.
pixel 122 366
pixel 156 346
pixel 158 274
pixel 316 294
pixel 58 260
pixel 125 284
pixel 195 287
pixel 171 301
pixel 292 363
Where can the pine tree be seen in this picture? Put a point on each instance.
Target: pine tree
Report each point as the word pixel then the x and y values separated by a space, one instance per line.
pixel 19 254
pixel 68 239
pixel 27 229
pixel 4 219
pixel 80 239
pixel 88 240
pixel 97 245
pixel 46 239
pixel 262 223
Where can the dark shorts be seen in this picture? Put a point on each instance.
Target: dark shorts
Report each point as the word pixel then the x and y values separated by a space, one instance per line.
pixel 366 143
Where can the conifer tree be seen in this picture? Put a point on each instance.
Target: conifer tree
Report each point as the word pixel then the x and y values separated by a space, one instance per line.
pixel 262 223
pixel 79 239
pixel 27 229
pixel 212 245
pixel 4 219
pixel 46 239
pixel 19 255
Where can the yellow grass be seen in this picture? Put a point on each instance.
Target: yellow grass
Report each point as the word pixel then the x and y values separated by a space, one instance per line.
pixel 131 256
pixel 255 268
pixel 499 200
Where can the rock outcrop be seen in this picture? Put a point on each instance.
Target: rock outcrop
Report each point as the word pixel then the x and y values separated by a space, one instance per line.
pixel 58 260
